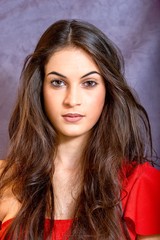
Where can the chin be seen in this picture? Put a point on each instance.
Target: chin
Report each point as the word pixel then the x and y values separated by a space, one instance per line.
pixel 74 134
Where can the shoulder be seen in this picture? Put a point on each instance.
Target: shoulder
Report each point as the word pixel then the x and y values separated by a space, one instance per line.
pixel 142 174
pixel 141 198
pixel 142 183
pixel 7 199
pixel 3 208
pixel 2 165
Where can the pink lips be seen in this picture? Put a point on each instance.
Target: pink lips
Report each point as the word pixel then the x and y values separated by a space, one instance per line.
pixel 72 117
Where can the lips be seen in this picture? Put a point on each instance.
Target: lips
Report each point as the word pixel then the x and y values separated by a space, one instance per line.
pixel 72 117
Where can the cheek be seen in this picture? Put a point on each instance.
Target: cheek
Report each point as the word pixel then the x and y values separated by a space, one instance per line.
pixel 100 99
pixel 96 105
pixel 49 104
pixel 50 107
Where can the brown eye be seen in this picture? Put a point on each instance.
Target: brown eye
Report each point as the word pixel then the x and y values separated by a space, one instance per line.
pixel 89 83
pixel 58 83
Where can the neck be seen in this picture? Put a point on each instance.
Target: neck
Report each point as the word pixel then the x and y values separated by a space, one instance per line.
pixel 68 175
pixel 69 152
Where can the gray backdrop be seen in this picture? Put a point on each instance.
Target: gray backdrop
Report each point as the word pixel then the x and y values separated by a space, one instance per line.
pixel 134 25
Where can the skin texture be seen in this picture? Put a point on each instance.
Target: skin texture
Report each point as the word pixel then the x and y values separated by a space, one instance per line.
pixel 74 93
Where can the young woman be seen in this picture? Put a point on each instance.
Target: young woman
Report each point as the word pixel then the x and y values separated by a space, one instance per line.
pixel 77 164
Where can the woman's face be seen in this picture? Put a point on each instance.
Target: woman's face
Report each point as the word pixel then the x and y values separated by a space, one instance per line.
pixel 74 92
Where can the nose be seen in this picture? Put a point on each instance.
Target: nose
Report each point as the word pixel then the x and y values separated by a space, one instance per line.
pixel 72 97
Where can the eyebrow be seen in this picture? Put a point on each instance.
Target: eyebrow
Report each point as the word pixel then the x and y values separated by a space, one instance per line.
pixel 87 74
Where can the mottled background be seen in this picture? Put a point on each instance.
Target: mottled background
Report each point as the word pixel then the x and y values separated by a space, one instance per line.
pixel 134 25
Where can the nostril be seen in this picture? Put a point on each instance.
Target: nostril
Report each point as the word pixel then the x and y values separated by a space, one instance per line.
pixel 72 99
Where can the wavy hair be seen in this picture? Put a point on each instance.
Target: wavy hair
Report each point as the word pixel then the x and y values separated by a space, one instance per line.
pixel 122 135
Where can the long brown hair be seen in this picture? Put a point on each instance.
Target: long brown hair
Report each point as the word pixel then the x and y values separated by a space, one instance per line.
pixel 121 135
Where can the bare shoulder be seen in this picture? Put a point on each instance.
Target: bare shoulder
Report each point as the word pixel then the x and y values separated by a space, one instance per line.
pixel 2 165
pixel 2 195
pixel 7 199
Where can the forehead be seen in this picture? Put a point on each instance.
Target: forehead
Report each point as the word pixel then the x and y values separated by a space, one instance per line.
pixel 71 58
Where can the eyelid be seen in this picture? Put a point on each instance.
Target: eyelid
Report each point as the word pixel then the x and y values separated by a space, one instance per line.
pixel 94 83
pixel 57 80
pixel 94 79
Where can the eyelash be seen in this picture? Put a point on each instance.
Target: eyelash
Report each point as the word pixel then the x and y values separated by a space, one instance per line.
pixel 87 84
pixel 56 83
pixel 90 83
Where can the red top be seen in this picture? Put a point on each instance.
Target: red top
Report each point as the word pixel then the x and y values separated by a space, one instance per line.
pixel 141 206
pixel 140 202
